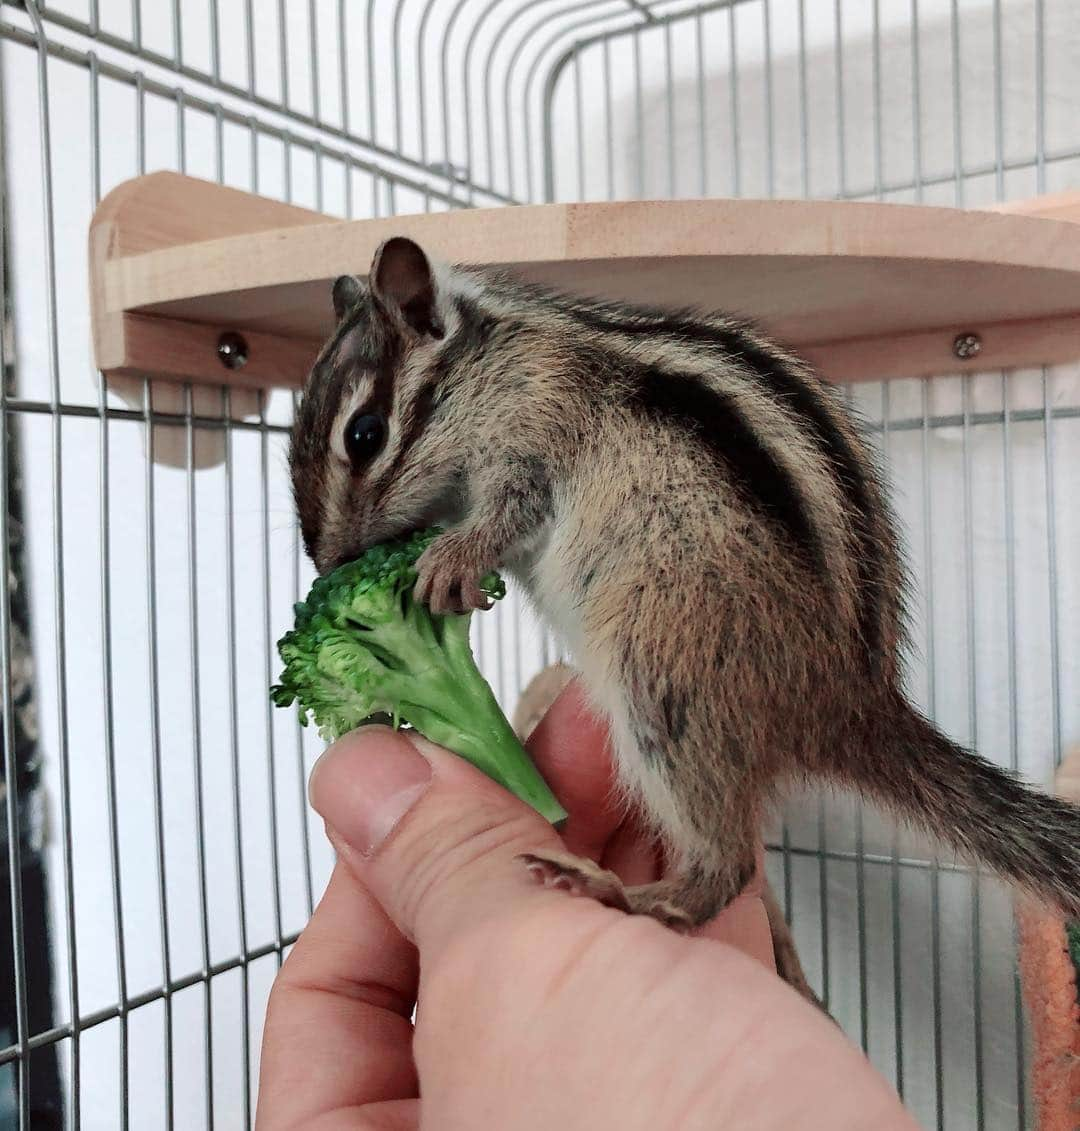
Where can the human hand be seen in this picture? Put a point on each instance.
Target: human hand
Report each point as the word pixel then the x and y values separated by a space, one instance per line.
pixel 535 1009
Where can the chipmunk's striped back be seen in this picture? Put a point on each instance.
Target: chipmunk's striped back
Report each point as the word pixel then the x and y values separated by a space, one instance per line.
pixel 784 436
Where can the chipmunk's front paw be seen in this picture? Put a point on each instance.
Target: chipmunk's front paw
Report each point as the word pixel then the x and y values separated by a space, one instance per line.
pixel 448 575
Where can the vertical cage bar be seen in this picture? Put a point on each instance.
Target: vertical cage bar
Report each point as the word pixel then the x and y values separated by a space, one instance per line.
pixel 320 197
pixel 59 605
pixel 271 752
pixel 234 749
pixel 219 145
pixel 999 107
pixel 215 40
pixel 895 877
pixel 421 102
pixel 112 814
pixel 609 147
pixel 500 648
pixel 348 173
pixel 1052 555
pixel 669 108
pixel 822 813
pixel 973 729
pixel 957 112
pixel 11 765
pixel 879 141
pixel 399 145
pixel 283 52
pixel 249 35
pixel 264 474
pixel 301 768
pixel 444 97
pixel 804 108
pixel 841 124
pixel 703 131
pixel 313 36
pixel 178 34
pixel 1014 705
pixel 516 598
pixel 639 119
pixel 931 710
pixel 155 740
pixel 343 72
pixel 466 110
pixel 733 80
pixel 369 47
pixel 579 126
pixel 860 893
pixel 1040 96
pixel 770 147
pixel 916 104
pixel 197 752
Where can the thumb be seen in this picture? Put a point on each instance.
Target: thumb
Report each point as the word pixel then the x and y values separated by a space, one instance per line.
pixel 431 837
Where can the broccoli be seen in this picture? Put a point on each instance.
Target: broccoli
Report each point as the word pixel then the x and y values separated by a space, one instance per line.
pixel 362 647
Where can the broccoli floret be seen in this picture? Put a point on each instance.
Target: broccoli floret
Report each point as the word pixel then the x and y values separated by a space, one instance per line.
pixel 362 647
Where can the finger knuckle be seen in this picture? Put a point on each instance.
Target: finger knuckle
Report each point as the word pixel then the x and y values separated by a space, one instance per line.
pixel 458 850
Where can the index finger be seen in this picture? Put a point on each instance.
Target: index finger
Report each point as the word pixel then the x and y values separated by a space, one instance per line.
pixel 338 1033
pixel 572 750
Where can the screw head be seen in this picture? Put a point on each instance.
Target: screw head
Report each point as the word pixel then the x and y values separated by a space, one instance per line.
pixel 966 346
pixel 232 350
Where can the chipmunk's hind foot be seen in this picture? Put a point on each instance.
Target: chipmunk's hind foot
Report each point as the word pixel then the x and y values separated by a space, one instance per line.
pixel 580 876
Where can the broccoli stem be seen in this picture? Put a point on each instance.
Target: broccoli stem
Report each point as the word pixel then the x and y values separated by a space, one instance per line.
pixel 461 713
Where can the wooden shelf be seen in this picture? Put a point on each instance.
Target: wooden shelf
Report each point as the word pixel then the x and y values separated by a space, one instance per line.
pixel 863 290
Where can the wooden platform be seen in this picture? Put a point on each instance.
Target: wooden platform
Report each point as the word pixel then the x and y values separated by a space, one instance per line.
pixel 863 290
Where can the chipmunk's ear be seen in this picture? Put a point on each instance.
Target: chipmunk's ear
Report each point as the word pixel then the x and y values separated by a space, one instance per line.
pixel 347 292
pixel 402 280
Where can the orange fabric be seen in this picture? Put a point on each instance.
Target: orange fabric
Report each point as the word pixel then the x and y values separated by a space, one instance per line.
pixel 1050 994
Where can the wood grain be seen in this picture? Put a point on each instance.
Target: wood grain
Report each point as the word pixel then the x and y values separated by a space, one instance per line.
pixel 864 289
pixel 187 351
pixel 1005 345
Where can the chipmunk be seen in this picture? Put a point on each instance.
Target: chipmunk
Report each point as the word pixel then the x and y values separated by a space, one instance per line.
pixel 533 704
pixel 691 509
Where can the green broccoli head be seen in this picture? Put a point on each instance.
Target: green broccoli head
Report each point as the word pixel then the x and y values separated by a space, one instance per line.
pixel 362 647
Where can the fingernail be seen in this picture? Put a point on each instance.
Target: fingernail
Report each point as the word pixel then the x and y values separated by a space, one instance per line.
pixel 365 783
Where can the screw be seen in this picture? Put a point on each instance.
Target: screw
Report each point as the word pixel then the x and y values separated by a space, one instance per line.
pixel 966 346
pixel 232 350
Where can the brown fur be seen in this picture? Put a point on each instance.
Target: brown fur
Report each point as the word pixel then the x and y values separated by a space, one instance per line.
pixel 534 702
pixel 693 511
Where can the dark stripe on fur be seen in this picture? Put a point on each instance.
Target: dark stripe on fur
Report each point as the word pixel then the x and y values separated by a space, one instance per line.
pixel 797 392
pixel 411 429
pixel 715 421
pixel 468 342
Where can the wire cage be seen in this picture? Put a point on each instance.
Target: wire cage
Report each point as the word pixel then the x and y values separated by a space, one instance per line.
pixel 158 851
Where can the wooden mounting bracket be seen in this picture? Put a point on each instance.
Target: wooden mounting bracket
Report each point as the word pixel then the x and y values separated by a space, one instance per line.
pixel 863 290
pixel 142 218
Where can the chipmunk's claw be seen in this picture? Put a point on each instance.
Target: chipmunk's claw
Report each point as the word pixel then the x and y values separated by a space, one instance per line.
pixel 580 876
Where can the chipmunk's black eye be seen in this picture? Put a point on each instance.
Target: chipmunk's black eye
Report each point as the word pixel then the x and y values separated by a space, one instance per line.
pixel 365 435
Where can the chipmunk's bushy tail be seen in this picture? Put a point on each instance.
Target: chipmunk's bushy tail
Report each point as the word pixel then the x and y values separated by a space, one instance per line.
pixel 980 810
